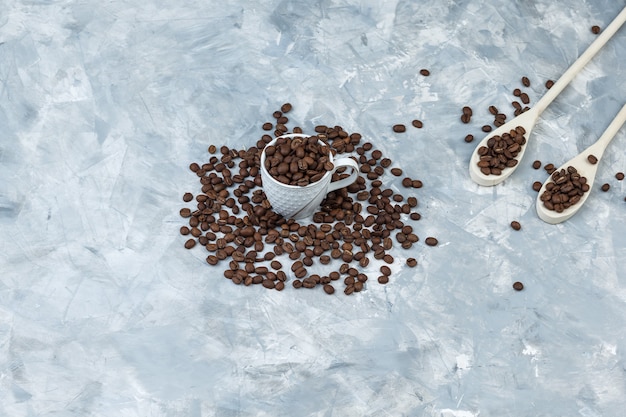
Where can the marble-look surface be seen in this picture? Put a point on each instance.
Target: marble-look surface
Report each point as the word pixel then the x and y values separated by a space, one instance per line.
pixel 103 106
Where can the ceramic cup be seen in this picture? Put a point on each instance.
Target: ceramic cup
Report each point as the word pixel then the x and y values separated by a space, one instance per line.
pixel 296 202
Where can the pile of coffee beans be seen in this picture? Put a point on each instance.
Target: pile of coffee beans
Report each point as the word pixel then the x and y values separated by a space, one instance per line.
pixel 354 228
pixel 298 161
pixel 501 151
pixel 564 190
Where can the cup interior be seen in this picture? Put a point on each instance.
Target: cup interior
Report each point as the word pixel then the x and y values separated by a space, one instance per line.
pixel 325 178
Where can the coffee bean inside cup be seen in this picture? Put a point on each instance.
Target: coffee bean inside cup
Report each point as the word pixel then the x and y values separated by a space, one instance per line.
pixel 298 161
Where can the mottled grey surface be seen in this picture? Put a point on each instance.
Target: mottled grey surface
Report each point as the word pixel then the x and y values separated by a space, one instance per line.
pixel 103 105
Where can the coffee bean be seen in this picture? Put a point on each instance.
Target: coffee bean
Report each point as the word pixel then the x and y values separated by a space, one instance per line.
pixel 212 149
pixel 524 97
pixel 286 108
pixel 564 189
pixel 516 225
pixel 417 123
pixel 396 171
pixel 486 128
pixel 383 279
pixel 537 164
pixel 399 128
pixel 187 197
pixel 595 29
pixel 431 241
pixel 469 138
pixel 329 289
pixel 185 212
pixel 591 158
pixel 467 110
pixel 416 184
pixel 190 243
pixel 605 187
pixel 525 82
pixel 297 283
pixel 466 118
pixel 549 84
pixel 619 176
pixel 411 262
pixel 385 270
pixel 267 126
pixel 537 186
pixel 425 72
pixel 518 286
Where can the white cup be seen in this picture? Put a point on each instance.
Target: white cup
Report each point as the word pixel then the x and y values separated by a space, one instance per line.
pixel 296 202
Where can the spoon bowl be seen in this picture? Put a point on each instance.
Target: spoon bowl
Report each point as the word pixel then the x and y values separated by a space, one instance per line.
pixel 584 168
pixel 528 119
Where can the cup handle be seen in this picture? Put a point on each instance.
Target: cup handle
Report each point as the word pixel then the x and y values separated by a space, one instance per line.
pixel 344 162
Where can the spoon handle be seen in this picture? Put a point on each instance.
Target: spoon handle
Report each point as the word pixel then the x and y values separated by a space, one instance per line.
pixel 600 145
pixel 582 60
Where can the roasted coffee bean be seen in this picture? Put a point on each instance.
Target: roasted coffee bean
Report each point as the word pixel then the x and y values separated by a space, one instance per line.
pixel 411 262
pixel 417 123
pixel 549 84
pixel 267 126
pixel 185 212
pixel 187 197
pixel 416 184
pixel 524 97
pixel 396 171
pixel 184 230
pixel 297 283
pixel 591 158
pixel 425 72
pixel 385 270
pixel 399 128
pixel 605 187
pixel 190 243
pixel 329 289
pixel 279 286
pixel 619 176
pixel 383 279
pixel 469 138
pixel 268 283
pixel 348 290
pixel 518 286
pixel 407 182
pixel 525 82
pixel 465 118
pixel 564 189
pixel 431 241
pixel 537 186
pixel 516 225
pixel 595 29
pixel 486 128
pixel 537 164
pixel 212 149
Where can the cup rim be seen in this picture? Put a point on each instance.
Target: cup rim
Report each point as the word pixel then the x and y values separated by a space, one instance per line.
pixel 289 186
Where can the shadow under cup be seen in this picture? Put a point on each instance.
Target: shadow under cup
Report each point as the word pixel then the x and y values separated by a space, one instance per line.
pixel 296 202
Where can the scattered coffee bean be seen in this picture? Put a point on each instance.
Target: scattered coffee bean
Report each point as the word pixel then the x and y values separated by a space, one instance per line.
pixel 619 176
pixel 267 126
pixel 411 262
pixel 549 84
pixel 516 225
pixel 486 128
pixel 518 286
pixel 236 224
pixel 425 72
pixel 286 108
pixel 431 241
pixel 469 138
pixel 595 29
pixel 517 92
pixel 537 186
pixel 417 123
pixel 399 128
pixel 537 164
pixel 592 159
pixel 549 168
pixel 383 279
pixel 525 82
pixel 212 149
pixel 329 289
pixel 605 187
pixel 524 97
